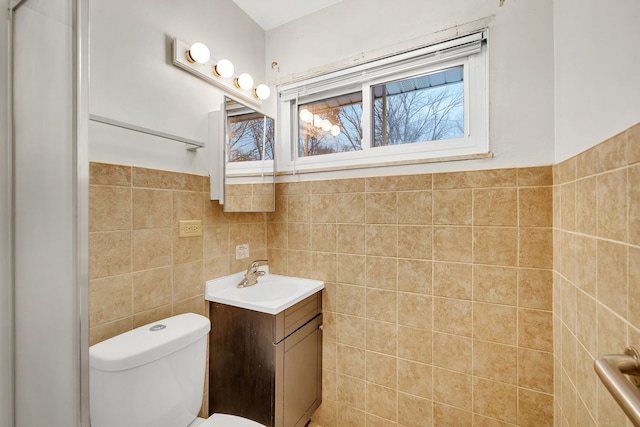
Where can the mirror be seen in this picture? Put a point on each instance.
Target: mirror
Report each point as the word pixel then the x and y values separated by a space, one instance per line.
pixel 249 167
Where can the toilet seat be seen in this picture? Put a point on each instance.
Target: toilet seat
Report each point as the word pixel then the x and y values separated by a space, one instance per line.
pixel 225 420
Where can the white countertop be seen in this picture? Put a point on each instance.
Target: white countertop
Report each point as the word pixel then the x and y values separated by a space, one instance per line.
pixel 272 294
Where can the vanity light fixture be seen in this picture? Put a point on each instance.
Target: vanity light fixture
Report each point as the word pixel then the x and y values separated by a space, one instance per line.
pixel 197 60
pixel 262 91
pixel 223 68
pixel 198 52
pixel 243 81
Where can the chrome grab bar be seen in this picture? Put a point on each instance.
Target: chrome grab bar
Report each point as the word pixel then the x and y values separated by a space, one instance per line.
pixel 611 369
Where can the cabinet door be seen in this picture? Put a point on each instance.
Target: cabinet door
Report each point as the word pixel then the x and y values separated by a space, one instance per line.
pixel 241 363
pixel 302 373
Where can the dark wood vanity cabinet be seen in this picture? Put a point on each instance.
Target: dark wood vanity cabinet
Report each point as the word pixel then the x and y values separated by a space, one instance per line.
pixel 266 367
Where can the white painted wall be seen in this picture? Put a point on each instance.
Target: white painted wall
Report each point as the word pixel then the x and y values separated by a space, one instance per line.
pixel 597 71
pixel 132 78
pixel 6 313
pixel 521 62
pixel 594 93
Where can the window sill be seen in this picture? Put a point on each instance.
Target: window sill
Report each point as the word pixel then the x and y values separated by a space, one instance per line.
pixel 488 155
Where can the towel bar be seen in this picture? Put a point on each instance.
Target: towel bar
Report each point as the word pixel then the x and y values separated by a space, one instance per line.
pixel 193 144
pixel 611 369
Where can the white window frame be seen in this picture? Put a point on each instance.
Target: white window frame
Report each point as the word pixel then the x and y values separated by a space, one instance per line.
pixel 469 51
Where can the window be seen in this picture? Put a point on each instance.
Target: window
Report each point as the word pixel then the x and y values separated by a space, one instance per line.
pixel 415 106
pixel 424 108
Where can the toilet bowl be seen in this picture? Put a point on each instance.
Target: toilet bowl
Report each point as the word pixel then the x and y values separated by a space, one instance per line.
pixel 224 420
pixel 153 376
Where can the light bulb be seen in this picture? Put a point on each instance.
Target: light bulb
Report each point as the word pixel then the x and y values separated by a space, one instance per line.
pixel 244 81
pixel 199 53
pixel 335 130
pixel 224 68
pixel 262 91
pixel 317 121
pixel 306 116
pixel 326 125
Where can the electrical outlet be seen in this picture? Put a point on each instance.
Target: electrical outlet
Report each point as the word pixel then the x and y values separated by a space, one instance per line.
pixel 242 251
pixel 190 228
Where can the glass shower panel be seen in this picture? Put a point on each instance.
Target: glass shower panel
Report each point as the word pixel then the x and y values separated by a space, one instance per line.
pixel 45 219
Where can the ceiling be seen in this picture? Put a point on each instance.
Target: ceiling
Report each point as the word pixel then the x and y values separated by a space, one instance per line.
pixel 273 13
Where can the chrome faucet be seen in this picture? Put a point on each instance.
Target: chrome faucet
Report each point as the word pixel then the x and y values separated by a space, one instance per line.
pixel 252 274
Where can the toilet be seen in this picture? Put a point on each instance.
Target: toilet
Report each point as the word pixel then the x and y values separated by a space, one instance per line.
pixel 153 376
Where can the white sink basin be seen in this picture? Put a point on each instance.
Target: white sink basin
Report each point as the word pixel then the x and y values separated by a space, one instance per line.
pixel 272 294
pixel 264 292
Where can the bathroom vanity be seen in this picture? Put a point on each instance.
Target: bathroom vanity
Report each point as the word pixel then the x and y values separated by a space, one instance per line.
pixel 266 365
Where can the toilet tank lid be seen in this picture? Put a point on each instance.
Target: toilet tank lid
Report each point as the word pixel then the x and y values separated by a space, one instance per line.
pixel 148 343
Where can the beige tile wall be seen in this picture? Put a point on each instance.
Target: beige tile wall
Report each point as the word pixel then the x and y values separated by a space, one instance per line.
pixel 597 274
pixel 438 301
pixel 140 269
pixel 250 197
pixel 438 294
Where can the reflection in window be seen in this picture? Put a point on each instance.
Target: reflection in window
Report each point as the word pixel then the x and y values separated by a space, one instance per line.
pixel 251 136
pixel 332 125
pixel 424 108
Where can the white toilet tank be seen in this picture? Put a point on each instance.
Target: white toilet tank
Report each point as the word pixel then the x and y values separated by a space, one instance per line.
pixel 152 376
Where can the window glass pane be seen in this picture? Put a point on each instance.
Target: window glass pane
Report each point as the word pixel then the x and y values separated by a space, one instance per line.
pixel 332 125
pixel 248 133
pixel 424 108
